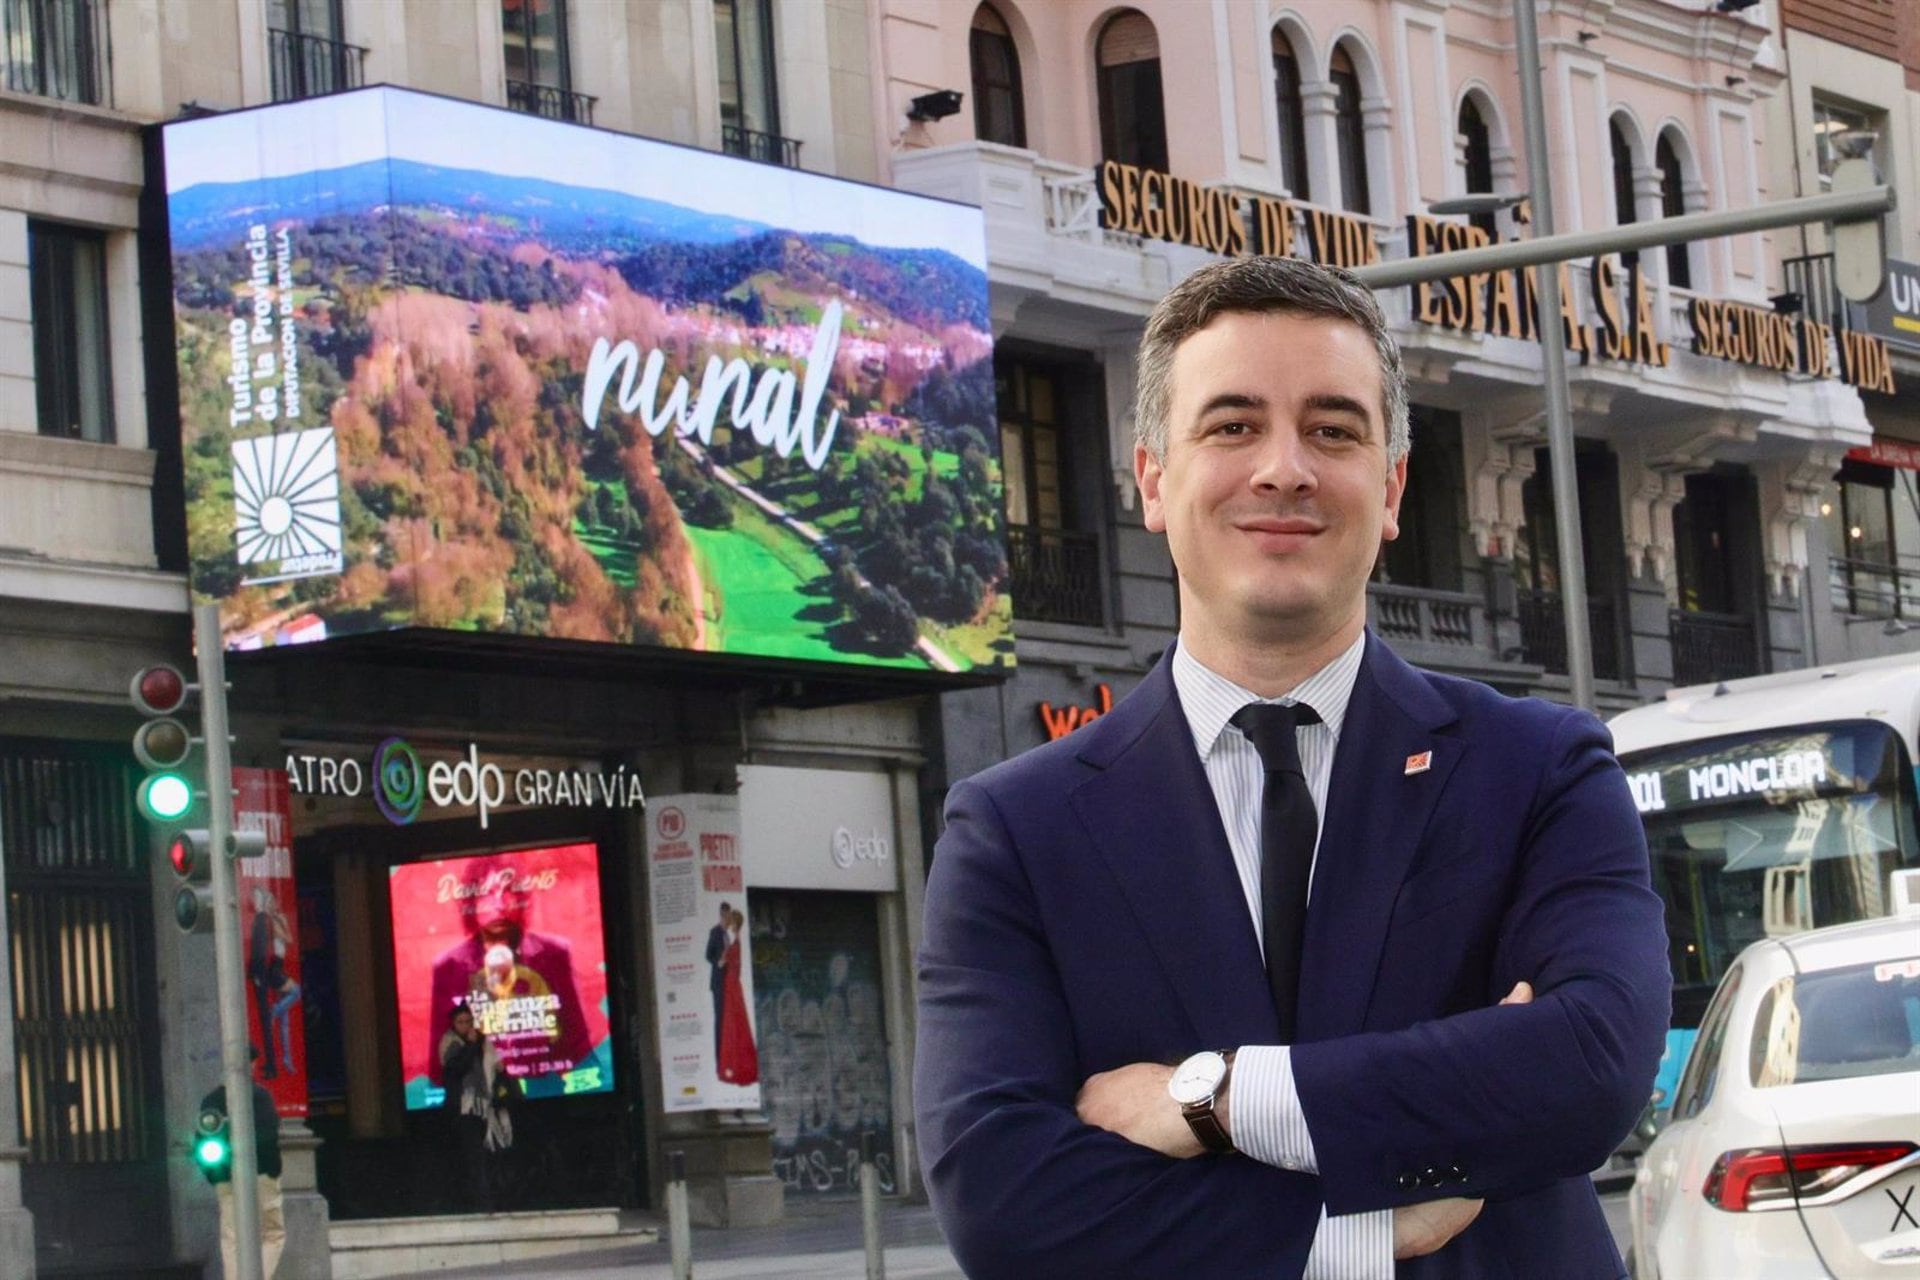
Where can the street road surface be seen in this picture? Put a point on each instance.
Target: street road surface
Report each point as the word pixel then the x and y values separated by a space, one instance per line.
pixel 816 1242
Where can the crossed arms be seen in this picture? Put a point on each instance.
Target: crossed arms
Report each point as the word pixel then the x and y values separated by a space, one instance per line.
pixel 1516 1096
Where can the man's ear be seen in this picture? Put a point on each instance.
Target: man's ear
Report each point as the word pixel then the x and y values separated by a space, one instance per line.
pixel 1146 474
pixel 1396 490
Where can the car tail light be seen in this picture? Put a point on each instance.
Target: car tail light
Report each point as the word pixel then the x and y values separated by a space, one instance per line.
pixel 1764 1178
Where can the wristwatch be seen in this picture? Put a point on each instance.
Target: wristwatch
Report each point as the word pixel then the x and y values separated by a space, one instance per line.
pixel 1194 1085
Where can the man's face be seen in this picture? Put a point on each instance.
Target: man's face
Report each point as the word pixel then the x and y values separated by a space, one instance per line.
pixel 1275 493
pixel 500 911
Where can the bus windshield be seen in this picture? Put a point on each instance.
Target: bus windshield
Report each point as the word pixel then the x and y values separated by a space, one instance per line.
pixel 1766 834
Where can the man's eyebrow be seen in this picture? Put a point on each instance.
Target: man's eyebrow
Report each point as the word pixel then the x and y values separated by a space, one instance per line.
pixel 1232 400
pixel 1332 402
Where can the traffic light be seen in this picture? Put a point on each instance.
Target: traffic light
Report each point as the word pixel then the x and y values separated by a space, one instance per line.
pixel 162 744
pixel 212 1144
pixel 190 853
pixel 1859 248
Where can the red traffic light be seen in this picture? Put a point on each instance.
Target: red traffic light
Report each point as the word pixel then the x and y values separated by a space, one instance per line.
pixel 159 690
pixel 191 853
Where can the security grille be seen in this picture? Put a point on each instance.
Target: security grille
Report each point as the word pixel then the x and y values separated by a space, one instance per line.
pixel 79 916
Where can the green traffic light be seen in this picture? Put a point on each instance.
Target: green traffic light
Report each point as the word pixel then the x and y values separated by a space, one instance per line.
pixel 165 797
pixel 211 1153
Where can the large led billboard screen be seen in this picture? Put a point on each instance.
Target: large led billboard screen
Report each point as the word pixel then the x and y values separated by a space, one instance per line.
pixel 514 942
pixel 447 366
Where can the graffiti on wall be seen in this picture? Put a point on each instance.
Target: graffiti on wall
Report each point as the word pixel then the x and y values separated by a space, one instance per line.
pixel 823 1046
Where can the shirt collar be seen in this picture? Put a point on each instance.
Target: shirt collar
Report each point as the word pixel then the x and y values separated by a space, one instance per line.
pixel 1210 699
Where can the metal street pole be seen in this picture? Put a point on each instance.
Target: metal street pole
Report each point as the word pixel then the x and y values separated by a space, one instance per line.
pixel 1840 208
pixel 236 1058
pixel 1566 490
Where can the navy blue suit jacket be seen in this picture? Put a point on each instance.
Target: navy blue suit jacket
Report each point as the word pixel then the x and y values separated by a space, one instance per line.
pixel 1083 913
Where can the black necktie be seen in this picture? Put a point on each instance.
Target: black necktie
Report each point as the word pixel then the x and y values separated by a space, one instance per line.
pixel 1288 826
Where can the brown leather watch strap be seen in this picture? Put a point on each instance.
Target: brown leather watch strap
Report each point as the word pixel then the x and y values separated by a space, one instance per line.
pixel 1206 1127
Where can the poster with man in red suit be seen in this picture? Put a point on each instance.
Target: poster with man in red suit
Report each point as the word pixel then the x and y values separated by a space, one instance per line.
pixel 465 938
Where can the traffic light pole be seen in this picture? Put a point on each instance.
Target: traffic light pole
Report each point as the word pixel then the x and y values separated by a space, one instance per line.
pixel 236 1058
pixel 1553 346
pixel 1838 207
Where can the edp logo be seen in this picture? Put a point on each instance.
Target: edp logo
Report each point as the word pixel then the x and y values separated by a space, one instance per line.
pixel 849 848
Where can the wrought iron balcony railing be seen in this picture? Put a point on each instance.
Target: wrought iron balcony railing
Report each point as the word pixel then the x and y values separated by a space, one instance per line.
pixel 1811 277
pixel 1873 589
pixel 1055 575
pixel 1712 646
pixel 1543 633
pixel 56 48
pixel 768 148
pixel 305 66
pixel 550 101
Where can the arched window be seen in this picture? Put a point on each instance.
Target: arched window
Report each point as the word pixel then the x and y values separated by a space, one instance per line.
pixel 1133 122
pixel 1293 120
pixel 1350 133
pixel 1623 210
pixel 1673 203
pixel 1477 154
pixel 999 113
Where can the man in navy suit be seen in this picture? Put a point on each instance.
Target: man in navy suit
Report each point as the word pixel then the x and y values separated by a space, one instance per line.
pixel 1482 988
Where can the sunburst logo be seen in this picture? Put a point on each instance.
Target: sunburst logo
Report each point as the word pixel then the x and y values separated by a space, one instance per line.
pixel 286 498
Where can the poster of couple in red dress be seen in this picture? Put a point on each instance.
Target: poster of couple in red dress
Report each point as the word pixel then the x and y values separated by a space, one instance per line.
pixel 703 964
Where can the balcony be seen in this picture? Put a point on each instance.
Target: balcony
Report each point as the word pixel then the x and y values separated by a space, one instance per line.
pixel 1874 589
pixel 1712 646
pixel 305 66
pixel 550 101
pixel 1418 615
pixel 1811 277
pixel 1055 575
pixel 56 48
pixel 767 148
pixel 1543 633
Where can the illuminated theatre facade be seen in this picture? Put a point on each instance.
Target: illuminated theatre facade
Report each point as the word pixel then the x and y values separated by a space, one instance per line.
pixel 1115 149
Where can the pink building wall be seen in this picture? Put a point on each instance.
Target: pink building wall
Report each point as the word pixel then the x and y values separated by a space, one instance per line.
pixel 1649 61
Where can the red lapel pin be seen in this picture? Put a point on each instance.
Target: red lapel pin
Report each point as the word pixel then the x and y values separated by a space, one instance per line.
pixel 1419 763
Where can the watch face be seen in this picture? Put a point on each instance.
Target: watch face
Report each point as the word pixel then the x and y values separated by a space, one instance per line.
pixel 1196 1079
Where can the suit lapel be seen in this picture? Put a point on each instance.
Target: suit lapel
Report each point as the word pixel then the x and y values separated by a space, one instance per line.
pixel 1376 814
pixel 1152 817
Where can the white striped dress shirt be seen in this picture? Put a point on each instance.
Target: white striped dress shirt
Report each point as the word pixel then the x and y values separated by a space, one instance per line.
pixel 1264 1106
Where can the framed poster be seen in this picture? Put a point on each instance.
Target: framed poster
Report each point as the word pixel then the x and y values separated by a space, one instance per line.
pixel 513 941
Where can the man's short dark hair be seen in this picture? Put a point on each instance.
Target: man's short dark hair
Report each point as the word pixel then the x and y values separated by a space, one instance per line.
pixel 1256 285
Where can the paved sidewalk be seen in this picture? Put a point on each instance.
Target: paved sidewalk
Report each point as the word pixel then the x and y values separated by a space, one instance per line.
pixel 816 1241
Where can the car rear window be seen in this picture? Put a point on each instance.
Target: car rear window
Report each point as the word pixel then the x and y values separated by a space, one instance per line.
pixel 1836 1024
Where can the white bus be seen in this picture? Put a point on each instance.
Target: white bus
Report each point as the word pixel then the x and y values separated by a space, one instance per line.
pixel 1773 804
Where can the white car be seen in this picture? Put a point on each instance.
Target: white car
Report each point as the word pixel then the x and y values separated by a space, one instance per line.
pixel 1793 1151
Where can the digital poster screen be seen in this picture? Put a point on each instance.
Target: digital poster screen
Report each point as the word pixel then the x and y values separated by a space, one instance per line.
pixel 449 366
pixel 500 970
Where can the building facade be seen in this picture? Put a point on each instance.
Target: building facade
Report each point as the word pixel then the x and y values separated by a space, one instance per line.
pixel 108 1028
pixel 1728 453
pixel 1853 88
pixel 1115 149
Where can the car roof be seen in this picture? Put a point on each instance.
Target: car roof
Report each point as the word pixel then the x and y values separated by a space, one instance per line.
pixel 1857 943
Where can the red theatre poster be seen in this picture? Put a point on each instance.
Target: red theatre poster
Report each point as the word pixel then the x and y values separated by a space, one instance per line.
pixel 276 1017
pixel 515 939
